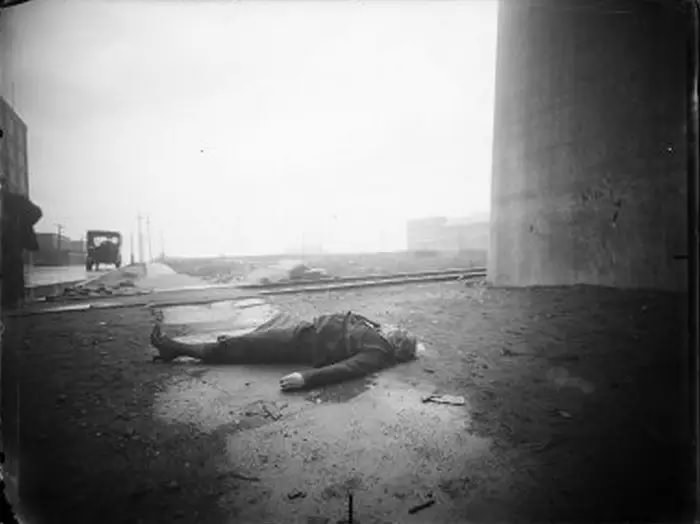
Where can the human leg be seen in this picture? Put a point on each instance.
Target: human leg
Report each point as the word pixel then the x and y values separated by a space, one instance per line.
pixel 269 346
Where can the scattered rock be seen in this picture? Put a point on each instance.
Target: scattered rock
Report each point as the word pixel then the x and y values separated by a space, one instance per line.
pixel 317 520
pixel 563 414
pixel 420 507
pixel 510 353
pixel 236 475
pixel 445 399
pixel 272 411
pixel 296 494
pixel 173 485
pixel 400 495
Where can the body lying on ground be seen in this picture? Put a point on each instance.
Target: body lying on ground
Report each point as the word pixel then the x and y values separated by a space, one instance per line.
pixel 337 347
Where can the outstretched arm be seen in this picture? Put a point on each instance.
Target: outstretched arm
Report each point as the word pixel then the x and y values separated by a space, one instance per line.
pixel 363 363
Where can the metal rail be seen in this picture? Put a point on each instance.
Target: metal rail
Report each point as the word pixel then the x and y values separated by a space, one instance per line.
pixel 149 302
pixel 363 278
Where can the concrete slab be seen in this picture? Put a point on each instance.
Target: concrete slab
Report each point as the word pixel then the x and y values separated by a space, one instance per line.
pixel 49 275
pixel 374 435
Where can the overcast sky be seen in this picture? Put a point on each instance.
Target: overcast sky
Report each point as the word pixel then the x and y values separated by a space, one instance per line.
pixel 241 126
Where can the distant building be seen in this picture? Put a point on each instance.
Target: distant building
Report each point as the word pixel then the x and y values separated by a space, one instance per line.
pixel 53 252
pixel 50 242
pixel 77 246
pixel 305 246
pixel 447 234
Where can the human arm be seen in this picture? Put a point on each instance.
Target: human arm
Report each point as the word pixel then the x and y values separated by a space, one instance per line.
pixel 292 381
pixel 363 363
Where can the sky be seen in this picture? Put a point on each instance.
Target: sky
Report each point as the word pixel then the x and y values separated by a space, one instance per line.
pixel 248 127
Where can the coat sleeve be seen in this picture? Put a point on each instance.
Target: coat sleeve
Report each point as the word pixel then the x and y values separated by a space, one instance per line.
pixel 31 212
pixel 363 363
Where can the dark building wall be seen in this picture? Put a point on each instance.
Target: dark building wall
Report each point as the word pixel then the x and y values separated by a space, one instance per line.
pixel 13 148
pixel 589 155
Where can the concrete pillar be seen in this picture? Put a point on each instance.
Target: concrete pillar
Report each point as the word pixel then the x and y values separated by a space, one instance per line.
pixel 589 160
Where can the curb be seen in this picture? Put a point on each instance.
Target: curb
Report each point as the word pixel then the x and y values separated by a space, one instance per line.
pixel 44 290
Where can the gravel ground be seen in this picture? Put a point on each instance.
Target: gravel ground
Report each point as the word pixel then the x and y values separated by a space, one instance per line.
pixel 581 390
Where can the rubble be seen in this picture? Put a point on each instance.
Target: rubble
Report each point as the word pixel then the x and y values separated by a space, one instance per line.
pixel 296 494
pixel 421 507
pixel 445 399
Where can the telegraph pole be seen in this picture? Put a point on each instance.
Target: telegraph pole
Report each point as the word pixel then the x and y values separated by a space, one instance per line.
pixel 131 247
pixel 59 228
pixel 139 218
pixel 148 234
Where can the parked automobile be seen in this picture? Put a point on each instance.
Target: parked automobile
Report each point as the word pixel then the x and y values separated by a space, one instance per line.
pixel 103 247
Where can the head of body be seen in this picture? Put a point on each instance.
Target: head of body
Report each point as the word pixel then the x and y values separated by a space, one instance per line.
pixel 403 343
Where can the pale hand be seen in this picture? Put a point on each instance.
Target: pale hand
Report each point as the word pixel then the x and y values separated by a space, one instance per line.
pixel 292 381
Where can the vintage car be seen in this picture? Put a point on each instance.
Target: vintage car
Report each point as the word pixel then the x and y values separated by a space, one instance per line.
pixel 103 247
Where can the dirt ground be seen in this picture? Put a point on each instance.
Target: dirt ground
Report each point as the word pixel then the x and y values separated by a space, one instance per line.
pixel 580 394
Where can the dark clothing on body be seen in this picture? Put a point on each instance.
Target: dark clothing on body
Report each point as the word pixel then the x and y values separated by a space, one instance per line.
pixel 19 215
pixel 338 346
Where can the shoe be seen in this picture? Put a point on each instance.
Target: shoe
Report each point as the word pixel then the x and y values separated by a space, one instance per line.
pixel 161 343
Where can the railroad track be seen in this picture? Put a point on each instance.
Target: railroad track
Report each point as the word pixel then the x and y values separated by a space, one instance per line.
pixel 442 273
pixel 279 288
pixel 258 290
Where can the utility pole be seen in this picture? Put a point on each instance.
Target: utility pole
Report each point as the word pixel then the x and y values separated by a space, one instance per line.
pixel 59 228
pixel 148 234
pixel 162 246
pixel 131 247
pixel 139 218
pixel 59 254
